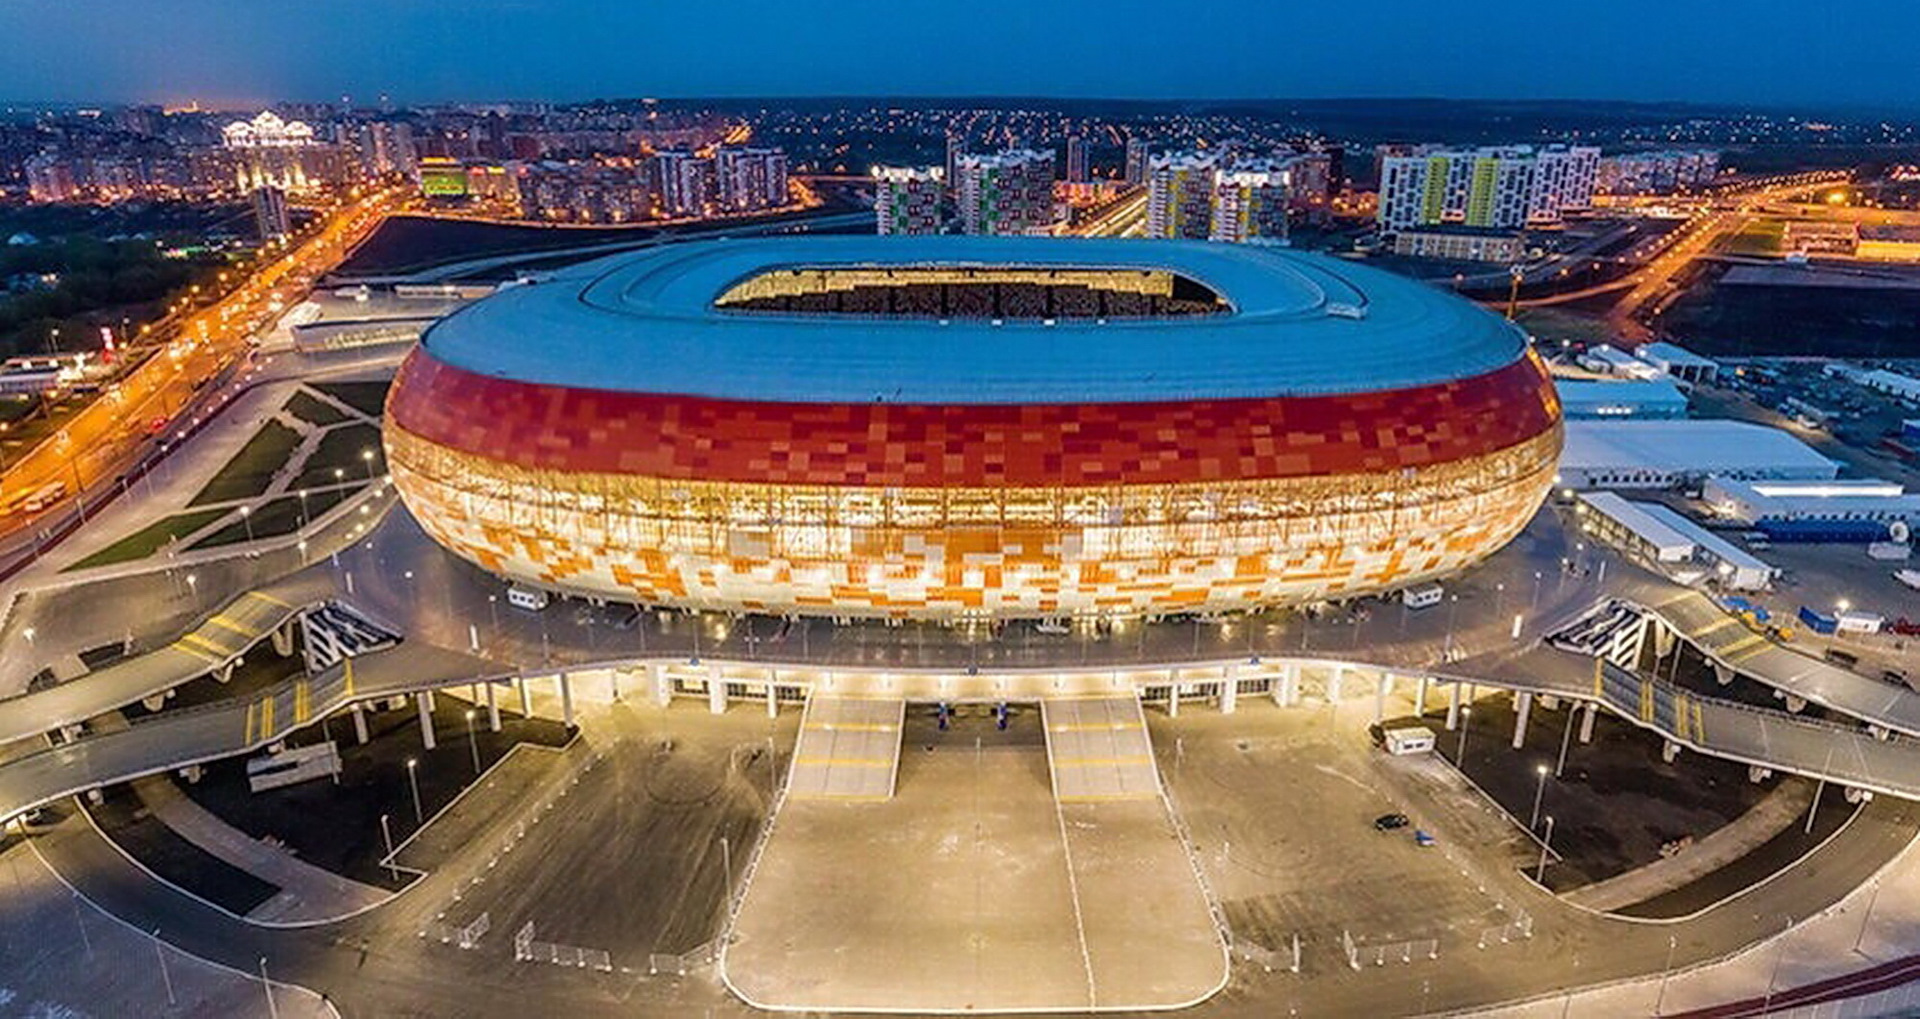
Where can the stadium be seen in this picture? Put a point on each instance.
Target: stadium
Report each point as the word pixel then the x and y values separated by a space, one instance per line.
pixel 972 428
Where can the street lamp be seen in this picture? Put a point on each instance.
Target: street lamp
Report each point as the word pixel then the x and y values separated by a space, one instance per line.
pixel 1539 791
pixel 246 517
pixel 366 457
pixel 473 742
pixel 1466 722
pixel 413 780
pixel 1540 872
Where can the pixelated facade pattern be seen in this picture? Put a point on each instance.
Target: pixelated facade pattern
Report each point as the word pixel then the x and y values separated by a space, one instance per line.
pixel 557 428
pixel 781 508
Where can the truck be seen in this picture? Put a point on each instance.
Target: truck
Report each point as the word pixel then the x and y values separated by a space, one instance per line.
pixel 1858 622
pixel 1911 578
pixel 1818 622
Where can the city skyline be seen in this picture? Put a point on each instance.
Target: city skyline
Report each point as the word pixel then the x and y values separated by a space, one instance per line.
pixel 222 54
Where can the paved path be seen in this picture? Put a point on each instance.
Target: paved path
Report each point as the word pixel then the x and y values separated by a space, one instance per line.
pixel 1786 804
pixel 308 894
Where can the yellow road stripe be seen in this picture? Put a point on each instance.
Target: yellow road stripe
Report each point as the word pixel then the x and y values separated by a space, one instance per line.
pixel 208 656
pixel 1089 762
pixel 847 762
pixel 1096 727
pixel 1104 797
pixel 270 599
pixel 239 628
pixel 844 797
pixel 854 726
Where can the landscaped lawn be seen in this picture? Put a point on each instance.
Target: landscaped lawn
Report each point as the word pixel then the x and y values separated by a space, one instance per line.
pixel 370 398
pixel 281 516
pixel 251 470
pixel 313 410
pixel 342 448
pixel 150 539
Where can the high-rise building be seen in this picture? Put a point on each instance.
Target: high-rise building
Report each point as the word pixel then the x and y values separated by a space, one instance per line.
pixel 1180 195
pixel 1506 187
pixel 684 183
pixel 1639 173
pixel 1009 192
pixel 386 147
pixel 270 219
pixel 907 199
pixel 750 178
pixel 1249 205
pixel 51 179
pixel 1076 159
pixel 956 147
pixel 1136 170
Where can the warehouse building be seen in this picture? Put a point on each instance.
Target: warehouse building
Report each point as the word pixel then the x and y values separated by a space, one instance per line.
pixel 1667 454
pixel 1659 399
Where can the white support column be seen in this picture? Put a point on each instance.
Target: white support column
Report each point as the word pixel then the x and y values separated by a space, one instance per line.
pixel 1380 688
pixel 613 685
pixel 1289 685
pixel 1522 706
pixel 526 696
pixel 1230 690
pixel 424 701
pixel 716 690
pixel 493 709
pixel 1173 693
pixel 773 692
pixel 1336 678
pixel 360 724
pixel 566 700
pixel 1453 706
pixel 1420 697
pixel 1586 723
pixel 658 686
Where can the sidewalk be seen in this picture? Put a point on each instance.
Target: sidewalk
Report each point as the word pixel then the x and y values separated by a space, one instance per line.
pixel 1724 845
pixel 1818 949
pixel 308 894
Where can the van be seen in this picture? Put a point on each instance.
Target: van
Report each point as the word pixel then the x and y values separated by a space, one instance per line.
pixel 1414 739
pixel 527 598
pixel 1422 596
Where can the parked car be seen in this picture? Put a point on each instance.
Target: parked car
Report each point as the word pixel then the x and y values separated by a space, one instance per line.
pixel 1390 822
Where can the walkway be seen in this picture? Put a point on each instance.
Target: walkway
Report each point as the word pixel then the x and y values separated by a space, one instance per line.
pixel 308 894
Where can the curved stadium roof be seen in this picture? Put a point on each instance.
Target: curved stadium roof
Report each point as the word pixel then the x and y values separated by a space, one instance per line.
pixel 1299 324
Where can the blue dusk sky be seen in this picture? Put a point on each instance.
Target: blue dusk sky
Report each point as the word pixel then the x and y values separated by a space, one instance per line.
pixel 1760 52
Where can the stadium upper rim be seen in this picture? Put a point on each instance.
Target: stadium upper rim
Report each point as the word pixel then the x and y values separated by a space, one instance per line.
pixel 1295 324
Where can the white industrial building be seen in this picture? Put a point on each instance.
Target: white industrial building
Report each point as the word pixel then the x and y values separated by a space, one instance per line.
pixel 1751 502
pixel 1659 399
pixel 1659 535
pixel 1666 454
pixel 1679 362
pixel 1614 361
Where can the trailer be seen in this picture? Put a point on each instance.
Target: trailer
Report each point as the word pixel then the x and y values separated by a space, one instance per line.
pixel 1818 622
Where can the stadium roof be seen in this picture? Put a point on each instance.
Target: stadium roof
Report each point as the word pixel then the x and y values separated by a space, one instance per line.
pixel 1299 324
pixel 1688 446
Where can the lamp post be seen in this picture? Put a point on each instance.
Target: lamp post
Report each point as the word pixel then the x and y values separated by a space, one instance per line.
pixel 473 742
pixel 1539 792
pixel 246 517
pixel 1540 873
pixel 413 781
pixel 1466 722
pixel 366 457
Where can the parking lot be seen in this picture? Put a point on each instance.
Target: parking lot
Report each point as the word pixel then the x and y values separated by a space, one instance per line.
pixel 1282 803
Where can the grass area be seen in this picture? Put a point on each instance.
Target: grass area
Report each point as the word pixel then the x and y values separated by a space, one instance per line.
pixel 150 539
pixel 1552 326
pixel 281 516
pixel 341 449
pixel 313 410
pixel 251 470
pixel 1759 237
pixel 369 398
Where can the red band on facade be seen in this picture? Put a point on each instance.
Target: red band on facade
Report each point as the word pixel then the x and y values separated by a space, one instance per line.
pixel 560 428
